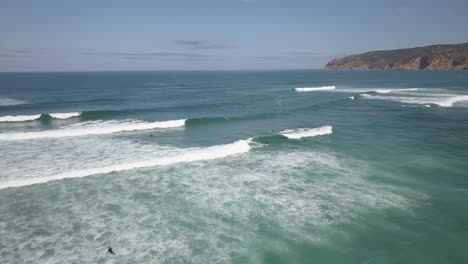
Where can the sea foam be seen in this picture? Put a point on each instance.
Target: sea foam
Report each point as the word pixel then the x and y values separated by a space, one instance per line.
pixel 444 100
pixel 93 128
pixel 19 118
pixel 11 101
pixel 26 118
pixel 315 89
pixel 386 91
pixel 65 115
pixel 189 155
pixel 306 132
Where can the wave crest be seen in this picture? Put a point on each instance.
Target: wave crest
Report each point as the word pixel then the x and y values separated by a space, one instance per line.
pixel 315 89
pixel 306 132
pixel 65 115
pixel 19 118
pixel 93 128
pixel 190 155
pixel 443 100
pixel 26 118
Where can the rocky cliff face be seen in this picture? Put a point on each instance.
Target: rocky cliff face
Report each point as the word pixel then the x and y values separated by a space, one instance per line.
pixel 438 57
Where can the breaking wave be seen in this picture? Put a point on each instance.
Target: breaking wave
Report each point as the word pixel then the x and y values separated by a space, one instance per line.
pixel 386 91
pixel 306 132
pixel 189 155
pixel 26 118
pixel 19 118
pixel 65 115
pixel 314 89
pixel 93 128
pixel 444 100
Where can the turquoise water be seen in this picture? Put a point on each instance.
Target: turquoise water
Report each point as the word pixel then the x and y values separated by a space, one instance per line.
pixel 234 167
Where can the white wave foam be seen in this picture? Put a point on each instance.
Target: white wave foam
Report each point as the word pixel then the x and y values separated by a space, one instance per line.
pixel 351 97
pixel 65 115
pixel 314 89
pixel 93 128
pixel 190 155
pixel 306 132
pixel 444 100
pixel 386 91
pixel 24 118
pixel 11 101
pixel 19 118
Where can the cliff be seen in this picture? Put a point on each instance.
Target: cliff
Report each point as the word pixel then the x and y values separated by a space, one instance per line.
pixel 437 57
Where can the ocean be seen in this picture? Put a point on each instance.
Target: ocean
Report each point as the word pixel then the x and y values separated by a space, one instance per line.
pixel 300 166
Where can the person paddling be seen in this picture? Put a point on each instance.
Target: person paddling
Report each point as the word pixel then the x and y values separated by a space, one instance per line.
pixel 111 251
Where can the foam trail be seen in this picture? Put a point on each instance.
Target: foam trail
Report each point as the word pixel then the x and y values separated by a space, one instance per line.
pixel 93 128
pixel 306 132
pixel 313 89
pixel 386 91
pixel 452 100
pixel 19 118
pixel 10 101
pixel 65 115
pixel 444 100
pixel 191 155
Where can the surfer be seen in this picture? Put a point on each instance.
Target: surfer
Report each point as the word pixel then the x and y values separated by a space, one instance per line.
pixel 111 251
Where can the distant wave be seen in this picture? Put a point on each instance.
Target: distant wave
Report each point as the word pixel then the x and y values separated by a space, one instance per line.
pixel 189 155
pixel 369 90
pixel 11 101
pixel 314 89
pixel 25 118
pixel 65 115
pixel 306 132
pixel 93 128
pixel 385 91
pixel 19 118
pixel 444 100
pixel 293 134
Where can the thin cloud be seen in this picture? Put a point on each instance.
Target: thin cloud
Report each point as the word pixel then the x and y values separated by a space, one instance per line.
pixel 149 54
pixel 312 54
pixel 189 42
pixel 201 45
pixel 13 56
pixel 24 51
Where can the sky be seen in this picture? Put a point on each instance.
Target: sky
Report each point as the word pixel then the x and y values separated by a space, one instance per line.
pixel 117 35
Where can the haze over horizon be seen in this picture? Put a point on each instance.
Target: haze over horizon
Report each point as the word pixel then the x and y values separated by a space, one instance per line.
pixel 215 35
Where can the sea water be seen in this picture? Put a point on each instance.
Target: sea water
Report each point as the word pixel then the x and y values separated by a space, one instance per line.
pixel 234 167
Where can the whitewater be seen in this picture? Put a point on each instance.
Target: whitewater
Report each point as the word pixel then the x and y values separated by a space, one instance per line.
pixel 190 155
pixel 94 128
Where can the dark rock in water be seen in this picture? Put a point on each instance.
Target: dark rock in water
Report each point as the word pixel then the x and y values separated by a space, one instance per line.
pixel 436 57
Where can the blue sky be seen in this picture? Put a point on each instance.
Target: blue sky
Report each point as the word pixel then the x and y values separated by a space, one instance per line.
pixel 86 35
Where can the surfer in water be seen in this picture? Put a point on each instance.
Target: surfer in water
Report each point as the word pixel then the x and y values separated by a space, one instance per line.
pixel 110 251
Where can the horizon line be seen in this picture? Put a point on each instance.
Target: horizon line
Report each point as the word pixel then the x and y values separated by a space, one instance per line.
pixel 168 70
